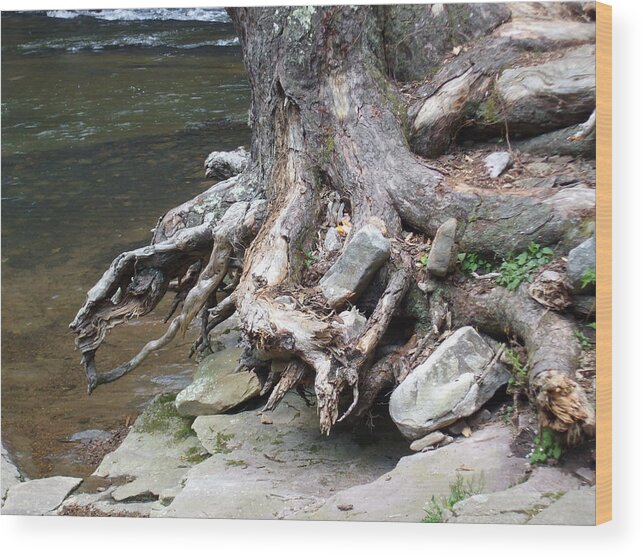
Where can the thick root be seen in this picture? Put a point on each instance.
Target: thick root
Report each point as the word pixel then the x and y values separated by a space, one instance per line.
pixel 236 228
pixel 552 347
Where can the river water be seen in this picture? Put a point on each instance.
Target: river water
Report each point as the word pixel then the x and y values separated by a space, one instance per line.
pixel 107 118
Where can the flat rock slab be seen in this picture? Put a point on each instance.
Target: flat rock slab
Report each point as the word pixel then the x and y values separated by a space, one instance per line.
pixel 218 386
pixel 99 504
pixel 39 497
pixel 364 254
pixel 575 508
pixel 442 248
pixel 272 470
pixel 518 504
pixel 10 474
pixel 453 383
pixel 156 453
pixel 403 494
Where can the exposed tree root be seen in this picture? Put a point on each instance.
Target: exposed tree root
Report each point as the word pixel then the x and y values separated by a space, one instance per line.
pixel 552 347
pixel 101 311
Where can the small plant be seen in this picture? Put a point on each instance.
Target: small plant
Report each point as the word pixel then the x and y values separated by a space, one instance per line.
pixel 310 258
pixel 423 261
pixel 592 325
pixel 460 489
pixel 506 414
pixel 221 443
pixel 521 268
pixel 472 262
pixel 585 343
pixel 546 446
pixel 435 513
pixel 587 278
pixel 519 372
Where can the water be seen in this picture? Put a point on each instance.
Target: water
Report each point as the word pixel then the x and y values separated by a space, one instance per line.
pixel 106 120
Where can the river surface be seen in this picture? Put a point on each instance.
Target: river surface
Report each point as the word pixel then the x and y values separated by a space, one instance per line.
pixel 106 120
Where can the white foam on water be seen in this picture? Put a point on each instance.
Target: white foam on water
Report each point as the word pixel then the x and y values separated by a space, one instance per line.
pixel 177 14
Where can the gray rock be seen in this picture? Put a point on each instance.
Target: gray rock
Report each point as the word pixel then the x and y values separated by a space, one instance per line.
pixel 428 441
pixel 105 503
pixel 332 241
pixel 587 475
pixel 497 163
pixel 10 474
pixel 584 305
pixel 403 494
pixel 89 435
pixel 156 453
pixel 453 383
pixel 217 386
pixel 581 260
pixel 442 248
pixel 575 508
pixel 517 504
pixel 221 165
pixel 364 254
pixel 39 497
pixel 274 467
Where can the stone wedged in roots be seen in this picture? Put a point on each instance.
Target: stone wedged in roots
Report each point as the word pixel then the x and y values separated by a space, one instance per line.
pixel 329 123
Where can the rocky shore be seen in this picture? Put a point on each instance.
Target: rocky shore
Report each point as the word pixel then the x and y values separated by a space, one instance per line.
pixel 211 452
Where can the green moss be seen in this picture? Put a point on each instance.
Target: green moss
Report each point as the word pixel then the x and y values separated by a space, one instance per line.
pixel 536 509
pixel 328 147
pixel 221 443
pixel 555 495
pixel 232 462
pixel 488 111
pixel 161 416
pixel 195 455
pixel 416 306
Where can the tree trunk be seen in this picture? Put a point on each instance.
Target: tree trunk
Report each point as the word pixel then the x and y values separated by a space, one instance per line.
pixel 329 129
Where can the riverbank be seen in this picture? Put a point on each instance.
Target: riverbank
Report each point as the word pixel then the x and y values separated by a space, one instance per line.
pixel 95 146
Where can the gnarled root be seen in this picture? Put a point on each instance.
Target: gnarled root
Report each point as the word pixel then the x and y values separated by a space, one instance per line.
pixel 102 311
pixel 552 348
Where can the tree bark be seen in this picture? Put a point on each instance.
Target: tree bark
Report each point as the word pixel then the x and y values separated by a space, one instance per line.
pixel 327 122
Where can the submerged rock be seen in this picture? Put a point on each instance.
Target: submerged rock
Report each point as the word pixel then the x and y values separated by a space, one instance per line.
pixel 217 386
pixel 221 165
pixel 581 263
pixel 442 248
pixel 366 252
pixel 39 497
pixel 453 383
